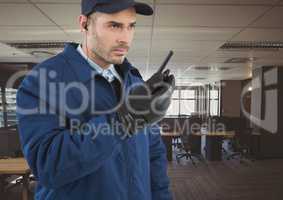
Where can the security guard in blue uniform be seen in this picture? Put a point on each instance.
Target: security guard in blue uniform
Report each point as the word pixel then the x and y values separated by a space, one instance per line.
pixel 87 119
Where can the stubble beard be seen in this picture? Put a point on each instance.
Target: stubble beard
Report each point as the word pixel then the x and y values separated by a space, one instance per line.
pixel 101 53
pixel 106 57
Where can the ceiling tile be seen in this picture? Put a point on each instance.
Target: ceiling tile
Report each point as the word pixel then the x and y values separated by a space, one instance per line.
pixel 217 2
pixel 185 53
pixel 190 47
pixel 23 15
pixel 56 1
pixel 208 16
pixel 257 34
pixel 194 33
pixel 66 18
pixel 271 20
pixel 13 1
pixel 38 33
pixel 210 2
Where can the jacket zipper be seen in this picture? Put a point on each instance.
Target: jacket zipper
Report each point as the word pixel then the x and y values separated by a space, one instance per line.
pixel 124 150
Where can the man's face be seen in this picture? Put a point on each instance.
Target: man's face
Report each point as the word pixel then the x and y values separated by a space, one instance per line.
pixel 109 36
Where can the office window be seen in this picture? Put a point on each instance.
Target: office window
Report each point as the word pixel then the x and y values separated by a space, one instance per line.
pixel 175 94
pixel 8 107
pixel 11 106
pixel 187 107
pixel 1 111
pixel 183 102
pixel 187 102
pixel 188 94
pixel 173 108
pixel 214 101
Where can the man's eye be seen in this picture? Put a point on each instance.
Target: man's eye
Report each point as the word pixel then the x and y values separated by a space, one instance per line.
pixel 115 26
pixel 133 26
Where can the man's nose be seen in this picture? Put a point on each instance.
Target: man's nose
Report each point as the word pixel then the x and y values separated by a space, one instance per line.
pixel 125 36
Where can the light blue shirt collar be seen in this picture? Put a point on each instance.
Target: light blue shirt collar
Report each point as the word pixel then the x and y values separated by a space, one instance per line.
pixel 106 73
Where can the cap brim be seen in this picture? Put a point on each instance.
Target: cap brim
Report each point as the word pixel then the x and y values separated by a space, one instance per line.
pixel 143 9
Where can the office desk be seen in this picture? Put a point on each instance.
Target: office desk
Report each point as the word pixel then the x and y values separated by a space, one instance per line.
pixel 225 134
pixel 16 166
pixel 167 139
pixel 211 143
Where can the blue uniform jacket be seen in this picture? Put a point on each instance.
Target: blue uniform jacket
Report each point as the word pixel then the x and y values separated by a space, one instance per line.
pixel 73 155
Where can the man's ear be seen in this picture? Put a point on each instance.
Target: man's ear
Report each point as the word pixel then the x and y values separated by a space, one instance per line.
pixel 83 21
pixel 85 26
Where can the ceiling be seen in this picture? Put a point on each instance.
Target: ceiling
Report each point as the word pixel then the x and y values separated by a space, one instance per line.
pixel 193 29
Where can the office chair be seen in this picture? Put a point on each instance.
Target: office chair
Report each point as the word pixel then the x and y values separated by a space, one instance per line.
pixel 171 125
pixel 13 186
pixel 240 144
pixel 190 144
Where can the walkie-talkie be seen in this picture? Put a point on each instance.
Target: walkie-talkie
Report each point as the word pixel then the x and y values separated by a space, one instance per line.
pixel 162 67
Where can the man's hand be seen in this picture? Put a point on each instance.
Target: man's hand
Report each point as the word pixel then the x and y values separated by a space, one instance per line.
pixel 147 102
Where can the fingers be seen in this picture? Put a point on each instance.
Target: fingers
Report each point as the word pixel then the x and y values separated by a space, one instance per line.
pixel 162 67
pixel 167 76
pixel 167 86
pixel 166 73
pixel 171 80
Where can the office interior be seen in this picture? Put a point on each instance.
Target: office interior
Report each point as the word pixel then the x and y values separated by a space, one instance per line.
pixel 227 62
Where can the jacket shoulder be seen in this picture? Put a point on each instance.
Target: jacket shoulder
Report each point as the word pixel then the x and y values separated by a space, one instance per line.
pixel 52 68
pixel 54 63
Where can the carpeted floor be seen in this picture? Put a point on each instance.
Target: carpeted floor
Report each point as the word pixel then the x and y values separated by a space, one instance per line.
pixel 227 180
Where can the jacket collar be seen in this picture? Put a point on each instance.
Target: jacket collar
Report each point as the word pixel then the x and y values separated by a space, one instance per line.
pixel 81 67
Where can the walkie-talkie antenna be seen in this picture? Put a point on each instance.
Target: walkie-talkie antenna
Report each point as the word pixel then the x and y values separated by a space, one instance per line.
pixel 162 67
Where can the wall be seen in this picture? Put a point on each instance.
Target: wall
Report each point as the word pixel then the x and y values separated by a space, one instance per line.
pixel 266 110
pixel 230 98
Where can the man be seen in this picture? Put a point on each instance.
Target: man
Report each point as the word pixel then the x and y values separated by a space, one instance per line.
pixel 83 133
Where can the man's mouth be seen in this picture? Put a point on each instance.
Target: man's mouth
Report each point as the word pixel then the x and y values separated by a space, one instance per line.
pixel 121 51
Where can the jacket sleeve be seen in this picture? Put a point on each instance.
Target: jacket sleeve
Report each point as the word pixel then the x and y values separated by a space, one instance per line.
pixel 158 166
pixel 56 155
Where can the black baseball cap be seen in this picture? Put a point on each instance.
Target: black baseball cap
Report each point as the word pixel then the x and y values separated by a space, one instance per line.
pixel 112 6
